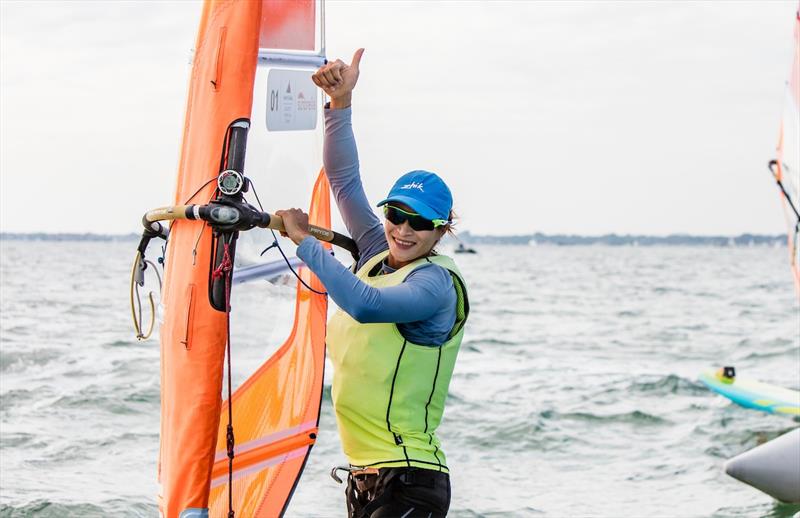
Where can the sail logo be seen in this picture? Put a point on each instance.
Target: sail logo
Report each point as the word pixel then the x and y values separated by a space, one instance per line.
pixel 413 185
pixel 304 104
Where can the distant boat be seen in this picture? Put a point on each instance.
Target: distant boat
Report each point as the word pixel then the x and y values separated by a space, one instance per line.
pixel 465 250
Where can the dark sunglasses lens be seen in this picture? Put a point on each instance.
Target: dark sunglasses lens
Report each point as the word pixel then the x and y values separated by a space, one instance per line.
pixel 419 223
pixel 396 217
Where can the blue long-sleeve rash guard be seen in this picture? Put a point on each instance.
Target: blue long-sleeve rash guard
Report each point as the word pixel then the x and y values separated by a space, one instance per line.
pixel 424 305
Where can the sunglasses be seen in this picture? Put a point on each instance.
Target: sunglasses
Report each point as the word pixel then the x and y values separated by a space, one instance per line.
pixel 398 216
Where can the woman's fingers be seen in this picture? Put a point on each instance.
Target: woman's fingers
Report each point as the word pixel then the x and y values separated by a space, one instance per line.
pixel 295 224
pixel 339 67
pixel 292 215
pixel 330 77
pixel 337 74
pixel 319 80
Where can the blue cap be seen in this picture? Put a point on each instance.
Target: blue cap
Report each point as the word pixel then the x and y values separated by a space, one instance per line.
pixel 424 192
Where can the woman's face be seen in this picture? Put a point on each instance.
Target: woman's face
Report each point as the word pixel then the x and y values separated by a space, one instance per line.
pixel 407 244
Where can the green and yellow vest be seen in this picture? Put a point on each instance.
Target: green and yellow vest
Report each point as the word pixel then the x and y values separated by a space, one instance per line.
pixel 389 393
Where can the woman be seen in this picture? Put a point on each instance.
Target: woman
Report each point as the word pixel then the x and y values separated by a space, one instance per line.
pixel 394 341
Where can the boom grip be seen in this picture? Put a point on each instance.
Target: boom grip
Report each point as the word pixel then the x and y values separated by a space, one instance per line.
pixel 167 214
pixel 323 234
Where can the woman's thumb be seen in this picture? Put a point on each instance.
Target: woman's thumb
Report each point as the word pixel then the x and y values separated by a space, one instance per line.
pixel 357 58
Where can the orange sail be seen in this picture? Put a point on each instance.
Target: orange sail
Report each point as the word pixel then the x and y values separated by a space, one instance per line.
pixel 276 411
pixel 253 60
pixel 786 167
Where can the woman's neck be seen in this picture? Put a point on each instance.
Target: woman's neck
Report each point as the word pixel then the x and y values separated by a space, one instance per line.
pixel 395 264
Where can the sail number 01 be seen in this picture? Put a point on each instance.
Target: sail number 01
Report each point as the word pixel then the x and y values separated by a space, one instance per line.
pixel 273 100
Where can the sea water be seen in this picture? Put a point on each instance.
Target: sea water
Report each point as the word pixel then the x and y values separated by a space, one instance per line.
pixel 576 391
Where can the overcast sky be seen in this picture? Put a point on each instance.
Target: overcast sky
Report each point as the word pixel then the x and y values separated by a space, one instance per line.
pixel 576 117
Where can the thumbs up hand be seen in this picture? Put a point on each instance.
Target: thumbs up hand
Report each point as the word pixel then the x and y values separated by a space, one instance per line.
pixel 337 79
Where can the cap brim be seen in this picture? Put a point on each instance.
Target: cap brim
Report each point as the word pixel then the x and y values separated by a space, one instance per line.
pixel 415 205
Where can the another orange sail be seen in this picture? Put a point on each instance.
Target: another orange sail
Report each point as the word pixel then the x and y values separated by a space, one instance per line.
pixel 253 60
pixel 787 166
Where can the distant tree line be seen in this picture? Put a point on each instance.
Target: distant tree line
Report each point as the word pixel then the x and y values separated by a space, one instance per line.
pixel 469 238
pixel 625 240
pixel 43 236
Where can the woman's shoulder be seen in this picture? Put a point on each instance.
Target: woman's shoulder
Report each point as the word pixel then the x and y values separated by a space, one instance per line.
pixel 436 277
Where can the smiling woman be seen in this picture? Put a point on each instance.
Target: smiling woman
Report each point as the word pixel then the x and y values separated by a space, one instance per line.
pixel 394 342
pixel 418 213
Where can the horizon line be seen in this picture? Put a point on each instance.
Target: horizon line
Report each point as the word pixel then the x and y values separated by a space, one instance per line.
pixel 6 234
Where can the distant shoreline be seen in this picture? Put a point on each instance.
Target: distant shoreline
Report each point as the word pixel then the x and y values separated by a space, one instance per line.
pixel 65 236
pixel 474 239
pixel 626 240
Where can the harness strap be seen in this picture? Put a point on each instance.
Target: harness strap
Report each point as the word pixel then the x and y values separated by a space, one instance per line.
pixel 352 470
pixel 384 489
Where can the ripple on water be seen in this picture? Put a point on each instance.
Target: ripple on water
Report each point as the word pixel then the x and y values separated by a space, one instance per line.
pixel 132 367
pixel 12 398
pixel 16 361
pixel 665 290
pixel 528 434
pixel 59 454
pixel 669 384
pixel 146 395
pixel 479 345
pixel 13 333
pixel 741 440
pixel 634 417
pixel 520 512
pixel 646 386
pixel 769 510
pixel 19 439
pixel 659 471
pixel 94 397
pixel 48 509
pixel 748 349
pixel 128 343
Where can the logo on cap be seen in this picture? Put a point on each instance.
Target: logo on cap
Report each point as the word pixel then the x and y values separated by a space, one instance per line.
pixel 413 185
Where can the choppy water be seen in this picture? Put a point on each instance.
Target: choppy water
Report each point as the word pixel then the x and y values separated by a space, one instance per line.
pixel 575 393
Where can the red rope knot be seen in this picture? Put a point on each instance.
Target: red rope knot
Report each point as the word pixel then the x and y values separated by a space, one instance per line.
pixel 225 265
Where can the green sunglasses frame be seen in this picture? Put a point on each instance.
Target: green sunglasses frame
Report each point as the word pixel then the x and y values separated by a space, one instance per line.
pixel 413 215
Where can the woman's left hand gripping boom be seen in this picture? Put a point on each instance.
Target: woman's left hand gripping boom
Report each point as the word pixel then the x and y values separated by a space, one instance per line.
pixel 295 222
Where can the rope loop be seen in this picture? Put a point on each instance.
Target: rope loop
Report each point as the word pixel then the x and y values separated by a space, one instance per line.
pixel 225 266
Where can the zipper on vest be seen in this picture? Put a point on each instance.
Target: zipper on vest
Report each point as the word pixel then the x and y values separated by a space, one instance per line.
pixel 397 439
